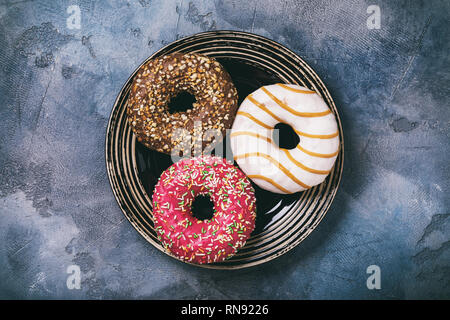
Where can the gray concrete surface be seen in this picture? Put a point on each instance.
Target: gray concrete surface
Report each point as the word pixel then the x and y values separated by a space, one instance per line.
pixel 57 88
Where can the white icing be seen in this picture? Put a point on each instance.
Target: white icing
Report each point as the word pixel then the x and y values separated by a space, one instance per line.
pixel 242 144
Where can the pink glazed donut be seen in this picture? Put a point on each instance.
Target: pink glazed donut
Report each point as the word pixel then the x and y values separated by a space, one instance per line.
pixel 209 240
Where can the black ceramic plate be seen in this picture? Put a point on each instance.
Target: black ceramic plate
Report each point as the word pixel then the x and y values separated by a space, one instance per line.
pixel 283 221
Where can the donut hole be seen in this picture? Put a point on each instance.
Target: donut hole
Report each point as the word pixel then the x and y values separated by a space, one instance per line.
pixel 285 137
pixel 181 102
pixel 203 207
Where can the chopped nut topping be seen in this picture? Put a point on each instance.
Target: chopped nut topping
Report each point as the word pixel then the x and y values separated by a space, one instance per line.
pixel 163 78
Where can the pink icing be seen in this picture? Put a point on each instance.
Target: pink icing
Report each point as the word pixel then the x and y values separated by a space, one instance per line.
pixel 203 241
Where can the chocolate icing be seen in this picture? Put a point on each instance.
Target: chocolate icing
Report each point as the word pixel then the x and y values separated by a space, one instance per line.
pixel 163 78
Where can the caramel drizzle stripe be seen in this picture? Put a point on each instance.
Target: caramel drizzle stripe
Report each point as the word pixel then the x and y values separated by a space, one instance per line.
pixel 297 113
pixel 263 107
pixel 256 135
pixel 319 155
pixel 249 133
pixel 294 89
pixel 301 165
pixel 248 115
pixel 262 124
pixel 276 163
pixel 318 136
pixel 276 185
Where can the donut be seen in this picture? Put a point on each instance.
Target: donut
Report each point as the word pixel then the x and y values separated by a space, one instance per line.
pixel 209 240
pixel 163 78
pixel 282 170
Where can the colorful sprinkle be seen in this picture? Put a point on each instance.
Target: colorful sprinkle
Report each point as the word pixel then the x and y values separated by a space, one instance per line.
pixel 234 208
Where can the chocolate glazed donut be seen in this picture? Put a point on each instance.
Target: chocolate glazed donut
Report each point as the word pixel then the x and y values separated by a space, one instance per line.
pixel 163 78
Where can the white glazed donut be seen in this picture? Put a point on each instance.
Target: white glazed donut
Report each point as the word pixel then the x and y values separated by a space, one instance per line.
pixel 276 169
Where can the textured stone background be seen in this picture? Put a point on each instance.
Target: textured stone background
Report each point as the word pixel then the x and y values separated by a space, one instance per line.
pixel 58 85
